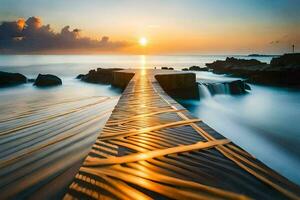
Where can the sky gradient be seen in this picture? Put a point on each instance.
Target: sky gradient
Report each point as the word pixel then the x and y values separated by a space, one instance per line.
pixel 171 26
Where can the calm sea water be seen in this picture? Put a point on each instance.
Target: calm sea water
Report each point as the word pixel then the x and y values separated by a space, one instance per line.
pixel 46 133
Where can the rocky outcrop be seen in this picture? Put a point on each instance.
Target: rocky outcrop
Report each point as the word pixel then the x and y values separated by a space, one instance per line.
pixel 228 87
pixel 283 70
pixel 196 68
pixel 8 79
pixel 236 66
pixel 286 62
pixel 114 76
pixel 44 80
pixel 103 76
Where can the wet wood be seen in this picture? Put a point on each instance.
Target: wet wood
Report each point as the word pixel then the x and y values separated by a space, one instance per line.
pixel 153 148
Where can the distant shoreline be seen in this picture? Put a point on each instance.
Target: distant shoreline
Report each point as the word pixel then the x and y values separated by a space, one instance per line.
pixel 261 55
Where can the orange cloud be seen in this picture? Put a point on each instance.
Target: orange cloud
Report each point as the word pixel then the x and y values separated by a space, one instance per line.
pixel 21 23
pixel 31 36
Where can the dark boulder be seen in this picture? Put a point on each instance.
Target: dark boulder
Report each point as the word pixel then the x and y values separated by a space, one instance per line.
pixel 103 76
pixel 185 69
pixel 47 80
pixel 238 87
pixel 7 79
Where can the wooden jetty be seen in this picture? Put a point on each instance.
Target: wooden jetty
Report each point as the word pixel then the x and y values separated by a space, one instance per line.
pixel 153 148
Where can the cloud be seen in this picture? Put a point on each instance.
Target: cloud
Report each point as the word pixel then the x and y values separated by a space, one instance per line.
pixel 31 36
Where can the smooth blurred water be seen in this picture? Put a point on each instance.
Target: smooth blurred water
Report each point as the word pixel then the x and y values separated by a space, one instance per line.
pixel 71 65
pixel 45 133
pixel 265 122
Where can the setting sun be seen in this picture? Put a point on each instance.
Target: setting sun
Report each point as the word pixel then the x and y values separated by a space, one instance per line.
pixel 143 41
pixel 150 99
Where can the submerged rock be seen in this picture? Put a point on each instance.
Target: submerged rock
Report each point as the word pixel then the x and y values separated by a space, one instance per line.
pixel 7 79
pixel 47 80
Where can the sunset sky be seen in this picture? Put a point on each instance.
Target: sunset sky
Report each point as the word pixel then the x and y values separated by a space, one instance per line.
pixel 170 26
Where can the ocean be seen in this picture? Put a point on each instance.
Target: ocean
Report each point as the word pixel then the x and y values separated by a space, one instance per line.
pixel 46 133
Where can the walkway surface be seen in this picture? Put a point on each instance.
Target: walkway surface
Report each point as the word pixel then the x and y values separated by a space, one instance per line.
pixel 153 148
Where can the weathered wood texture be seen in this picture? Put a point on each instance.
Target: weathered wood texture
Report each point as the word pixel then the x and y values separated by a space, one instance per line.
pixel 153 148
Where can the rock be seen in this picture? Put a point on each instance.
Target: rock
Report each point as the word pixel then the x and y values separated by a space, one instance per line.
pixel 228 87
pixel 197 68
pixel 185 69
pixel 237 87
pixel 104 76
pixel 287 61
pixel 236 66
pixel 80 76
pixel 167 68
pixel 7 79
pixel 282 71
pixel 47 80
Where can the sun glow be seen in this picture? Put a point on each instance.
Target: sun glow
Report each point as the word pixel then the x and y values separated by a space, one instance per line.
pixel 143 41
pixel 143 64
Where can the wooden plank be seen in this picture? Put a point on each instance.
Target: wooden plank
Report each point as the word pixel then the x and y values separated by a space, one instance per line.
pixel 159 150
